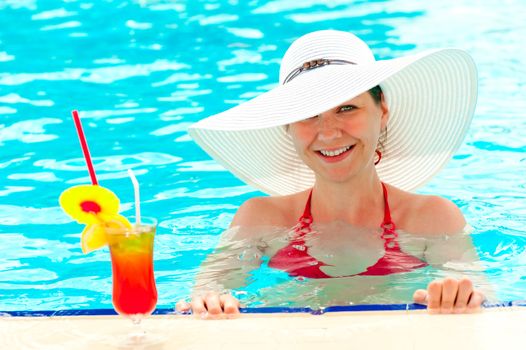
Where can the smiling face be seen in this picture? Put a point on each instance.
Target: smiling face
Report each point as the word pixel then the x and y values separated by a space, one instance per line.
pixel 341 142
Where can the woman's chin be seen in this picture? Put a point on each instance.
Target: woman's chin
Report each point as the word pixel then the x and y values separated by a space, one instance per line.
pixel 338 177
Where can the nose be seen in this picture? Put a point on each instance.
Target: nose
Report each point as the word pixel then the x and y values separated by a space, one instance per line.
pixel 328 127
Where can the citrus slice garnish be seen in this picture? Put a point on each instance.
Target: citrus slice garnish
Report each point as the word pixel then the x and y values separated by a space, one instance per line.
pixel 88 203
pixel 117 221
pixel 95 236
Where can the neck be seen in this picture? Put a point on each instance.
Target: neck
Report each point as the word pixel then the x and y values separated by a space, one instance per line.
pixel 359 202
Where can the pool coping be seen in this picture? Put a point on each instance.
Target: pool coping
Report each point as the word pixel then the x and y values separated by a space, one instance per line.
pixel 251 310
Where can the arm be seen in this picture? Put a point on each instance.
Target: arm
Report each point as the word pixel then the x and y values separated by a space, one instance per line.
pixel 230 264
pixel 222 270
pixel 238 251
pixel 449 247
pixel 228 267
pixel 456 257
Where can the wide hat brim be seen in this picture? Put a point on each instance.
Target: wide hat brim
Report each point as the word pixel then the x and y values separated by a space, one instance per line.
pixel 431 98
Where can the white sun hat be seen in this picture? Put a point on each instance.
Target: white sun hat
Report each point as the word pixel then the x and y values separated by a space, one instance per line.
pixel 431 98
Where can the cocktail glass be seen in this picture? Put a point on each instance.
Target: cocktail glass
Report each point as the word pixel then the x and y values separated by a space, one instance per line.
pixel 134 292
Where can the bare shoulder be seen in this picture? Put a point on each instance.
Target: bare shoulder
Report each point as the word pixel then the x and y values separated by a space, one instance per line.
pixel 268 211
pixel 429 215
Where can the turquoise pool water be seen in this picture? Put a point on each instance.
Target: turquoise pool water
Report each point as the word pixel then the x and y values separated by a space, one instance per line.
pixel 141 71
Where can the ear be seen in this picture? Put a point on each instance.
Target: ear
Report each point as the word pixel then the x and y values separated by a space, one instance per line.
pixel 385 112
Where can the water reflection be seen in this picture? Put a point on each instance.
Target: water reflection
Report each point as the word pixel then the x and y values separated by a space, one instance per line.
pixel 240 263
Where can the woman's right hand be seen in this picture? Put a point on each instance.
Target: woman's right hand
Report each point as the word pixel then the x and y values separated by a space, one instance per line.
pixel 211 306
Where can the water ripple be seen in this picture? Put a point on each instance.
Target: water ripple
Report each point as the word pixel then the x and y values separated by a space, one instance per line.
pixel 101 75
pixel 115 163
pixel 205 166
pixel 13 215
pixel 182 77
pixel 15 98
pixel 14 189
pixel 5 57
pixel 217 19
pixel 7 110
pixel 28 131
pixel 177 114
pixel 171 129
pixel 245 77
pixel 242 56
pixel 64 25
pixel 100 114
pixel 339 13
pixel 138 25
pixel 57 13
pixel 18 4
pixel 217 192
pixel 248 33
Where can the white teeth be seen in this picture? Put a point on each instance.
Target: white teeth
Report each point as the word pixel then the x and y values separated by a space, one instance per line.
pixel 335 152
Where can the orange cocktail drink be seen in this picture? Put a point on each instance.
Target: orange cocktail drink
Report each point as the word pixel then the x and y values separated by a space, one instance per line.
pixel 131 245
pixel 131 249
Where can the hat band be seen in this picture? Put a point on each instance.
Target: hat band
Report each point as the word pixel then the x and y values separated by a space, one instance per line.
pixel 311 65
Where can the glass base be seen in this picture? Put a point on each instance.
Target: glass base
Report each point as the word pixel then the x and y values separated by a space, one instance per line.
pixel 137 318
pixel 135 336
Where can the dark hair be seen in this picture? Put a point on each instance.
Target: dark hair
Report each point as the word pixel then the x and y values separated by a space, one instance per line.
pixel 376 94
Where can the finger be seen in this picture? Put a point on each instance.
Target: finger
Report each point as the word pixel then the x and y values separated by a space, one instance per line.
pixel 465 290
pixel 475 302
pixel 182 306
pixel 420 296
pixel 449 295
pixel 230 304
pixel 213 304
pixel 434 296
pixel 198 306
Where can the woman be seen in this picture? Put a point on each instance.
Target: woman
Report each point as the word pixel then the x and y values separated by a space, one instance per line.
pixel 346 138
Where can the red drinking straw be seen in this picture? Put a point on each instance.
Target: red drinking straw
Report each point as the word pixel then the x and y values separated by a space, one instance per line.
pixel 85 148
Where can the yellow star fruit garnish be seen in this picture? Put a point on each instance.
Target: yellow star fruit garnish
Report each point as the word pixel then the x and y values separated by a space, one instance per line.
pixel 94 236
pixel 97 207
pixel 87 204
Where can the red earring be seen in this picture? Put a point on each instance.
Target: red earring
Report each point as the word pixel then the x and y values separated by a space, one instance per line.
pixel 379 154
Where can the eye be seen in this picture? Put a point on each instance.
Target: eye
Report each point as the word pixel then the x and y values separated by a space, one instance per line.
pixel 347 108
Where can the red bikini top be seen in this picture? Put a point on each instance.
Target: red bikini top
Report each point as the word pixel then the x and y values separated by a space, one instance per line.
pixel 296 261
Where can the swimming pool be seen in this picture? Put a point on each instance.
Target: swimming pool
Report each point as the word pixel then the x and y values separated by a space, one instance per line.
pixel 141 71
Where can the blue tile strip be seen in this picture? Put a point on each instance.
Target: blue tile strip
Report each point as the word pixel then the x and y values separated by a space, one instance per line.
pixel 255 310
